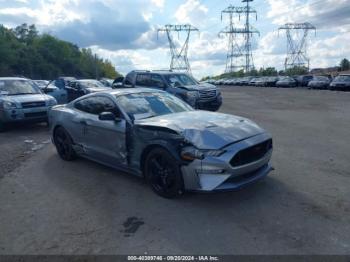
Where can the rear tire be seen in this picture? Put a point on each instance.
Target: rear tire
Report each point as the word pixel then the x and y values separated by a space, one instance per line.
pixel 64 144
pixel 163 173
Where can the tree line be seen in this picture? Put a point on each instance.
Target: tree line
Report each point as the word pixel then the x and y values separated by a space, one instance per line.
pixel 25 52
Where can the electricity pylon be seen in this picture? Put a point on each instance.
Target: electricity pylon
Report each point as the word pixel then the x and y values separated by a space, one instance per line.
pixel 179 59
pixel 235 50
pixel 297 34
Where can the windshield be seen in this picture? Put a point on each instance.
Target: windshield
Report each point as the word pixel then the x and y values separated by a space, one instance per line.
pixel 286 78
pixel 180 80
pixel 18 87
pixel 147 104
pixel 320 78
pixel 92 84
pixel 41 83
pixel 342 78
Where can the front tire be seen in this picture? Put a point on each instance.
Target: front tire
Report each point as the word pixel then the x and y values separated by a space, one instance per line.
pixel 64 144
pixel 163 173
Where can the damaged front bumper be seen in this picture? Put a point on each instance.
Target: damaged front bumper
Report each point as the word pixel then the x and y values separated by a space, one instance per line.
pixel 218 174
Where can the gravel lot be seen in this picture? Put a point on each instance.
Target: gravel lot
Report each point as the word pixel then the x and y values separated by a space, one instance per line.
pixel 48 206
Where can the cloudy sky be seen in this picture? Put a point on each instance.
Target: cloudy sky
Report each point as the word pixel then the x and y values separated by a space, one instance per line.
pixel 125 31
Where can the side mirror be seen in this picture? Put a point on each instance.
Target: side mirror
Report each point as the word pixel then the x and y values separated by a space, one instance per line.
pixel 117 85
pixel 108 116
pixel 49 89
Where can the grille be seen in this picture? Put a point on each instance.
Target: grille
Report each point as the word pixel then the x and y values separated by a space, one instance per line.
pixel 251 154
pixel 241 178
pixel 207 94
pixel 36 114
pixel 33 104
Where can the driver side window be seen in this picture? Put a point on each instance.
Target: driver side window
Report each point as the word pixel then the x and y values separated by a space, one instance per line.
pixel 97 105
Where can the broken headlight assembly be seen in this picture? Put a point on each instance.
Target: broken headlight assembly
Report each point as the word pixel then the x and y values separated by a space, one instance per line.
pixel 191 153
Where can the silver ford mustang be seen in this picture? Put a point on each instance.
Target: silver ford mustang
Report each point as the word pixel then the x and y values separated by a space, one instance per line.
pixel 153 134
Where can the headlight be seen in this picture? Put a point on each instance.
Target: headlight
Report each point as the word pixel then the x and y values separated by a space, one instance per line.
pixel 9 105
pixel 51 102
pixel 191 153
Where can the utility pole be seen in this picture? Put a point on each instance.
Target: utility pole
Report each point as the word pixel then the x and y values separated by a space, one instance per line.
pixel 297 34
pixel 236 51
pixel 179 59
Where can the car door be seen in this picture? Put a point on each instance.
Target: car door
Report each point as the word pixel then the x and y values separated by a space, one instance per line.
pixel 104 141
pixel 74 91
pixel 59 93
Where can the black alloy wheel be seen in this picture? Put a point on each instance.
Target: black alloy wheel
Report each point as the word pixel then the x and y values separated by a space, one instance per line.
pixel 64 144
pixel 163 173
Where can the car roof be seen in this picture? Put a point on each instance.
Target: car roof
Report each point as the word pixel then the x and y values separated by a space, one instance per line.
pixel 126 91
pixel 13 78
pixel 161 72
pixel 86 80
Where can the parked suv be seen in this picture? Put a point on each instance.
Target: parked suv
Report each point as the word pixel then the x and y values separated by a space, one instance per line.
pixel 22 100
pixel 199 95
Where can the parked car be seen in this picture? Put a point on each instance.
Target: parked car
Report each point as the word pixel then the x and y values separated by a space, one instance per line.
pixel 41 83
pixel 319 82
pixel 153 134
pixel 303 80
pixel 286 81
pixel 238 81
pixel 220 81
pixel 118 82
pixel 232 82
pixel 227 82
pixel 22 100
pixel 341 82
pixel 199 96
pixel 58 89
pixel 271 81
pixel 254 81
pixel 107 82
pixel 245 80
pixel 82 87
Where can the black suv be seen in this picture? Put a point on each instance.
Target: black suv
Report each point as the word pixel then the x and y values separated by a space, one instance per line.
pixel 199 95
pixel 303 80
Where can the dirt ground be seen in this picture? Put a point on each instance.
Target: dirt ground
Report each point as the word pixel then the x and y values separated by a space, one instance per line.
pixel 48 206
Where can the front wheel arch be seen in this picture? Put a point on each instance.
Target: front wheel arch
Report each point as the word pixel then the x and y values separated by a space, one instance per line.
pixel 171 150
pixel 167 189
